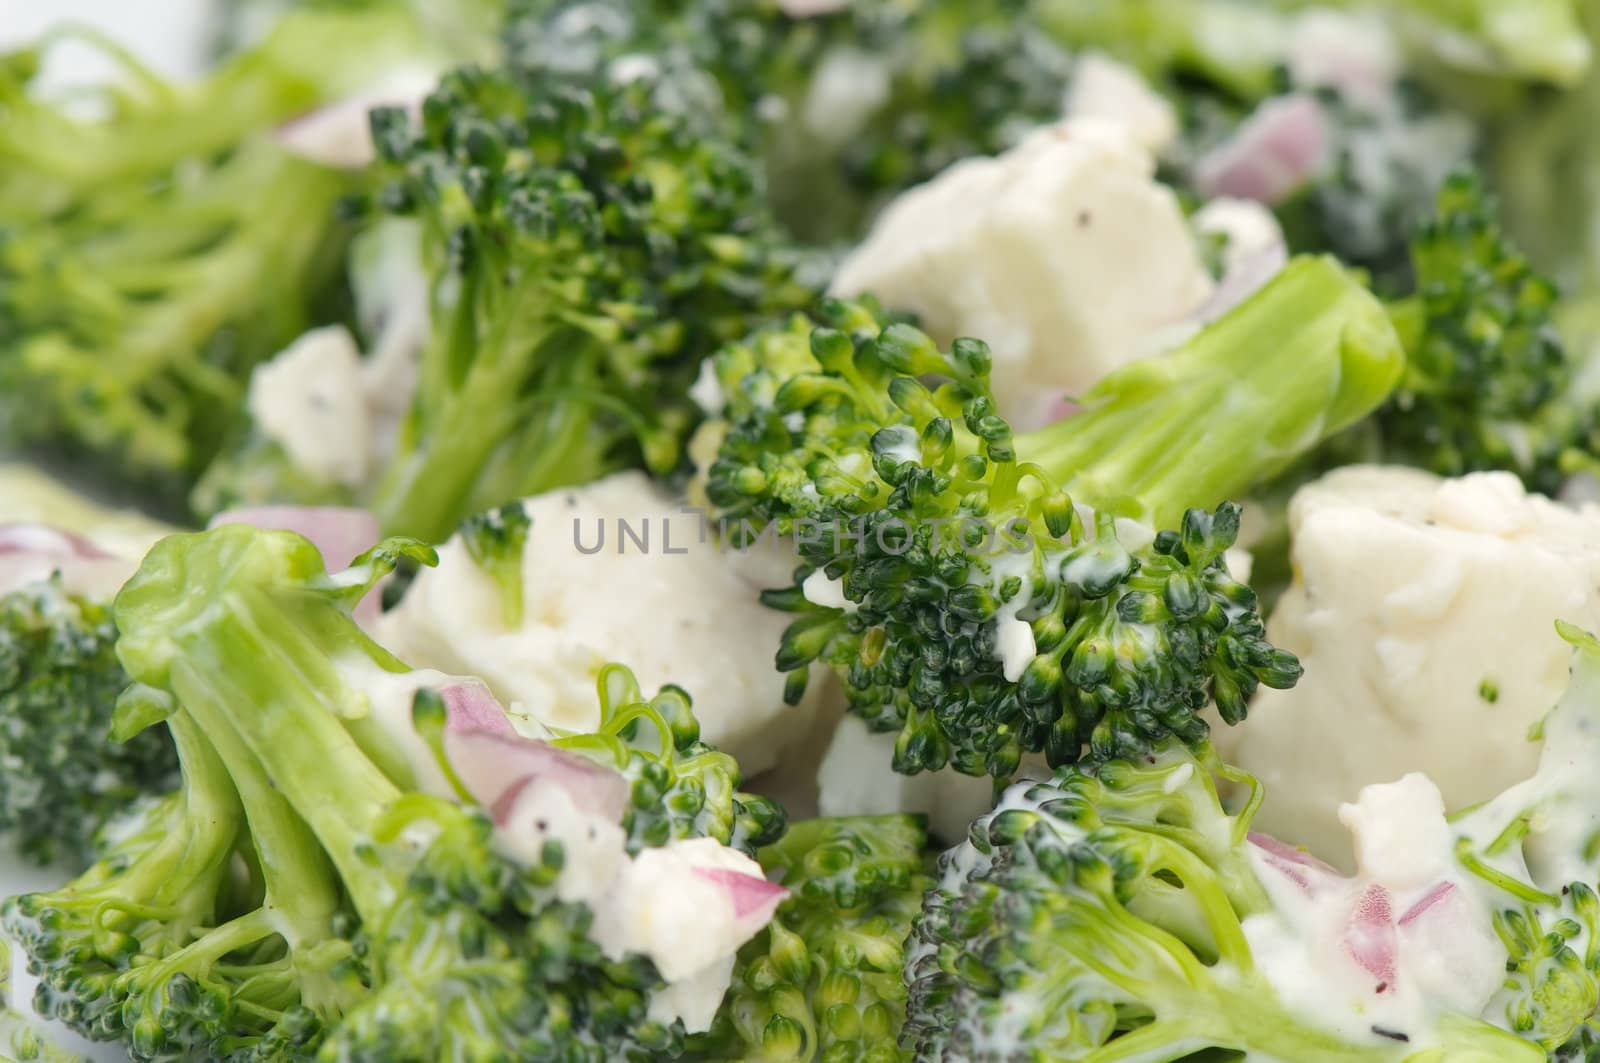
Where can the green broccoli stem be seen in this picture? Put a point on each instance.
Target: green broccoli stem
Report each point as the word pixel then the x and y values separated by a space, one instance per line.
pixel 284 194
pixel 470 394
pixel 554 448
pixel 1310 354
pixel 248 672
pixel 183 873
pixel 304 63
pixel 301 889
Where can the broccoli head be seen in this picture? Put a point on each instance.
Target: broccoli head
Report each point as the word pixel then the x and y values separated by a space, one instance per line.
pixel 140 238
pixel 680 787
pixel 324 885
pixel 846 107
pixel 985 615
pixel 824 980
pixel 586 252
pixel 1489 382
pixel 1106 915
pixel 61 776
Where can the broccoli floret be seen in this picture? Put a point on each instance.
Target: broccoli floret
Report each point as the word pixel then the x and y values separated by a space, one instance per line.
pixel 61 776
pixel 681 787
pixel 1101 916
pixel 986 615
pixel 587 252
pixel 303 895
pixel 824 981
pixel 139 239
pixel 846 107
pixel 1488 381
pixel 495 540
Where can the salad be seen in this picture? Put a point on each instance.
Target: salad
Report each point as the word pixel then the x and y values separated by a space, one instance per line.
pixel 801 531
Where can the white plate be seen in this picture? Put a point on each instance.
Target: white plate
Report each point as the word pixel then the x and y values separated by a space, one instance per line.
pixel 15 880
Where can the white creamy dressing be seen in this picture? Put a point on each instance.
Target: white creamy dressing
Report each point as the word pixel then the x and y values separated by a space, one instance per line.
pixel 898 443
pixel 1427 936
pixel 334 413
pixel 587 605
pixel 851 781
pixel 1013 636
pixel 848 87
pixel 706 392
pixel 655 904
pixel 820 589
pixel 1447 956
pixel 1111 91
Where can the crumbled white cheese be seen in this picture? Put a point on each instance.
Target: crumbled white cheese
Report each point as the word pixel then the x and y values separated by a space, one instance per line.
pixel 707 390
pixel 1423 612
pixel 608 572
pixel 1115 92
pixel 1061 254
pixel 310 400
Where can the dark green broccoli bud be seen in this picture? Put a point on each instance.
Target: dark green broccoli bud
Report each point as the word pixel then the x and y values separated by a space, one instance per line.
pixel 824 980
pixel 140 238
pixel 588 252
pixel 987 615
pixel 1100 916
pixel 495 540
pixel 681 787
pixel 1488 383
pixel 61 776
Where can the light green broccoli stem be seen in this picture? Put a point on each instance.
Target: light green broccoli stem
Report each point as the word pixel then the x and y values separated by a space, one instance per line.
pixel 1310 354
pixel 472 400
pixel 1228 1004
pixel 305 62
pixel 249 671
pixel 1238 46
pixel 262 663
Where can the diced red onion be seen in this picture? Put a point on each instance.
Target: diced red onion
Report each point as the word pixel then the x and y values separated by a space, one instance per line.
pixel 1299 866
pixel 754 898
pixel 495 764
pixel 53 542
pixel 340 533
pixel 1272 156
pixel 1370 936
pixel 471 706
pixel 1428 901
